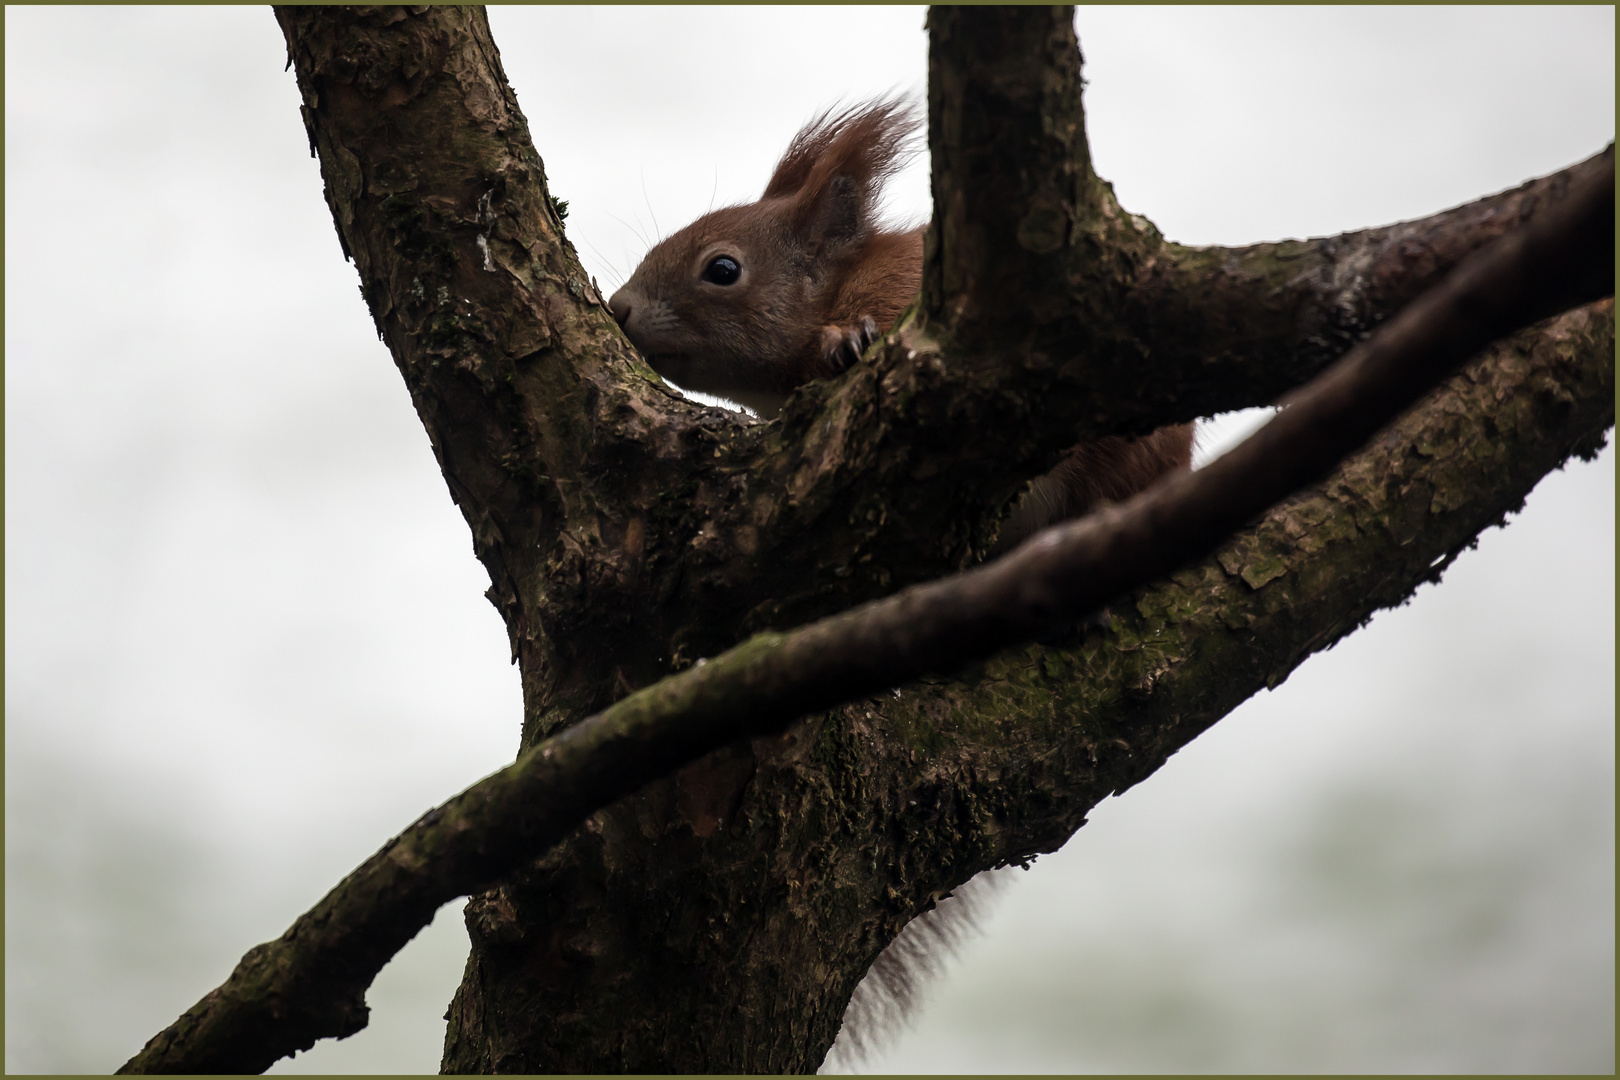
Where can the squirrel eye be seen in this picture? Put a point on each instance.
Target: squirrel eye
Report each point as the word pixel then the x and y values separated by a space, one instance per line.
pixel 722 270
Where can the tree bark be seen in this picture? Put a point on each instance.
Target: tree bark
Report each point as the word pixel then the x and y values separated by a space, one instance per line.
pixel 719 920
pixel 734 910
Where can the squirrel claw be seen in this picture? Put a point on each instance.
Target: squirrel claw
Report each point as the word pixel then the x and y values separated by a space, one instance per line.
pixel 843 345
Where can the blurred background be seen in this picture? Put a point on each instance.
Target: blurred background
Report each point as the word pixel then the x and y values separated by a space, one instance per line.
pixel 246 639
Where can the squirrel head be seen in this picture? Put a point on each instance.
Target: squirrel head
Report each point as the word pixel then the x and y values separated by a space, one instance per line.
pixel 732 302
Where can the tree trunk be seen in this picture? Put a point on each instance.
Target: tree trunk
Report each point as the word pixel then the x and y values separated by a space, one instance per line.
pixel 719 920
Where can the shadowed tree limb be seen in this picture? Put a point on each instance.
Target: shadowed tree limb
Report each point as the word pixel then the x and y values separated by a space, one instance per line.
pixel 311 982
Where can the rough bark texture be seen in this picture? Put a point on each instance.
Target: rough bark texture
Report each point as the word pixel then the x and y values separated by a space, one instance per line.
pixel 736 909
pixel 719 920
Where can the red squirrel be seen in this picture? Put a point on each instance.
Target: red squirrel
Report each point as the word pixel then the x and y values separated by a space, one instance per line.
pixel 750 302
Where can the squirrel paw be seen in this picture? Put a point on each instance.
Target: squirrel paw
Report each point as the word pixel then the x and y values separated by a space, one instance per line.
pixel 842 346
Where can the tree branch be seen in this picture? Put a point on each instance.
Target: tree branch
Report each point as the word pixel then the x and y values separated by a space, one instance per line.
pixel 311 982
pixel 1231 328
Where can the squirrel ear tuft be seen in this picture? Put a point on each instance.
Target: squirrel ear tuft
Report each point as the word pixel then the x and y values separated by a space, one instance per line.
pixel 834 169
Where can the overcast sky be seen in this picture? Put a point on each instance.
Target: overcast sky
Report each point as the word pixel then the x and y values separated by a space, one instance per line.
pixel 246 638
